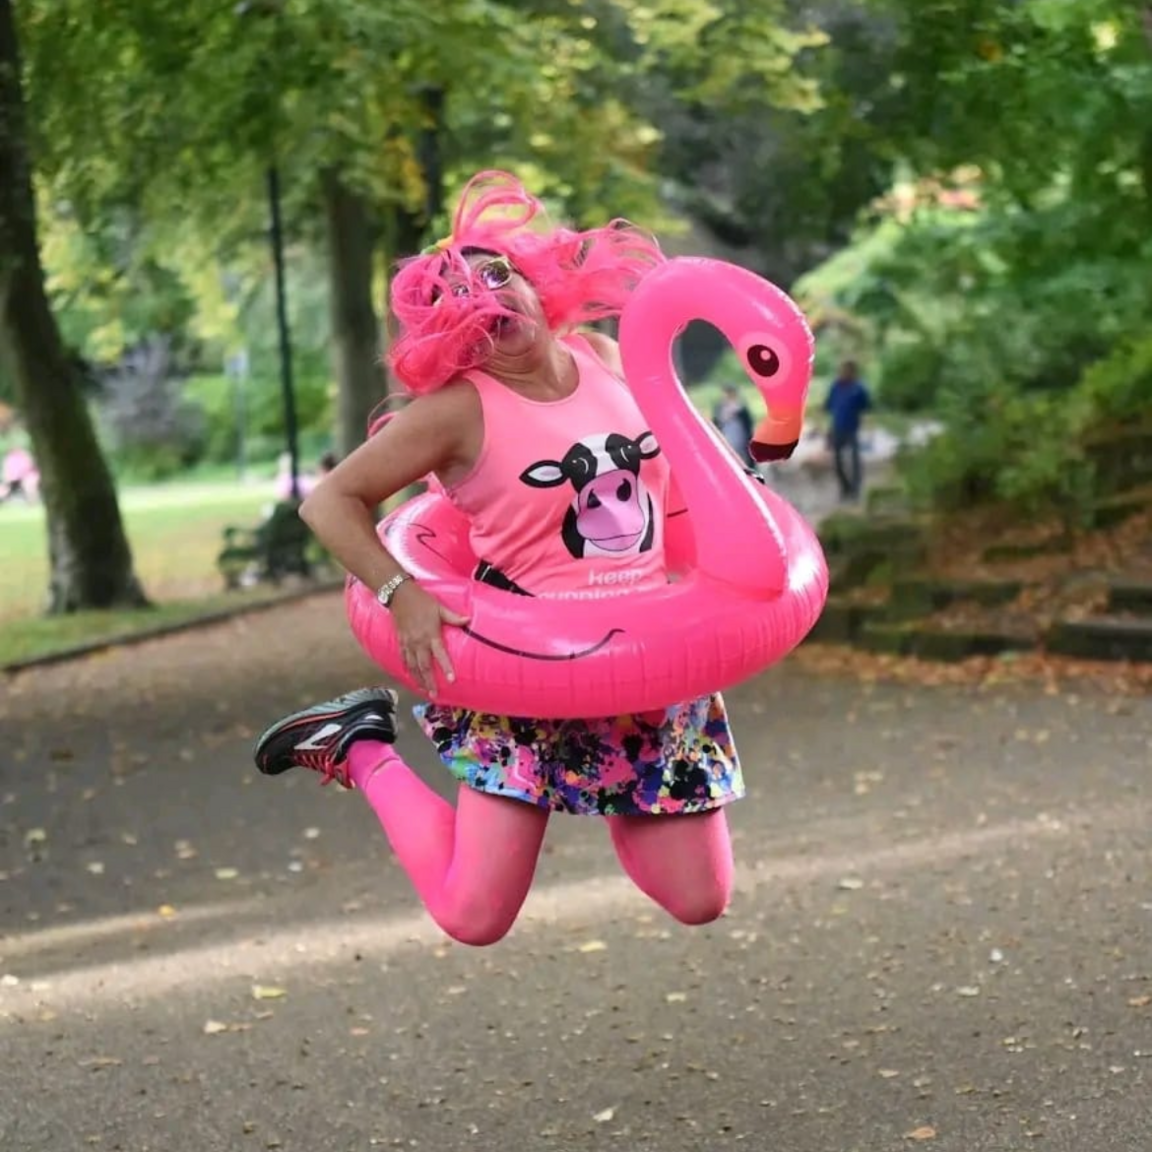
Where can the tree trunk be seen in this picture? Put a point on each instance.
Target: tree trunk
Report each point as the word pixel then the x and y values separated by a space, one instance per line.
pixel 90 561
pixel 355 331
pixel 1146 140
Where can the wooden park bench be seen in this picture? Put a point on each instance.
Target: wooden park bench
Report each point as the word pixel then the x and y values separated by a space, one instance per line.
pixel 281 545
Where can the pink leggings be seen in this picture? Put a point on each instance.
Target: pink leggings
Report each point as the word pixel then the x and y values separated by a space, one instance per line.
pixel 473 864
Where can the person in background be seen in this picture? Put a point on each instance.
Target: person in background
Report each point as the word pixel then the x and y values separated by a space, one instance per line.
pixel 19 476
pixel 305 481
pixel 847 401
pixel 732 417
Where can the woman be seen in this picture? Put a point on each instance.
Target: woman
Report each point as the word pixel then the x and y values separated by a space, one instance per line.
pixel 529 429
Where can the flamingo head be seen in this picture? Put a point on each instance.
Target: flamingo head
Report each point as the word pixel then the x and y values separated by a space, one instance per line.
pixel 773 342
pixel 775 347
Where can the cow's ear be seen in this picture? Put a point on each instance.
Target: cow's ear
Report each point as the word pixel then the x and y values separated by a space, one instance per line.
pixel 543 474
pixel 646 445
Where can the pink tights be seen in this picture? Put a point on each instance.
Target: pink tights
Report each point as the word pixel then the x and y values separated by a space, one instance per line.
pixel 473 864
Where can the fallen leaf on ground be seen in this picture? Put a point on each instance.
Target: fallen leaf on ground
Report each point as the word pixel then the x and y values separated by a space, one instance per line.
pixel 268 992
pixel 927 1132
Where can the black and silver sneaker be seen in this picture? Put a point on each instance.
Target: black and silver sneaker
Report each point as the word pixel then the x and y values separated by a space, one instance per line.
pixel 319 737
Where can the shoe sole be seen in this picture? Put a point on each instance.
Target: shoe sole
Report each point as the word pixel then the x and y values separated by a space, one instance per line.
pixel 321 712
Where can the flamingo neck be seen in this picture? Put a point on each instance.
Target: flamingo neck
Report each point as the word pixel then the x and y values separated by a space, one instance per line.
pixel 737 542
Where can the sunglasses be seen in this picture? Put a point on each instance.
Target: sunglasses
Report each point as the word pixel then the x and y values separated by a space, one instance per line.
pixel 492 274
pixel 495 273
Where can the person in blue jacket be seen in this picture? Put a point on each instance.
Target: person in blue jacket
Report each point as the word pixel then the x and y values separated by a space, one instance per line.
pixel 846 404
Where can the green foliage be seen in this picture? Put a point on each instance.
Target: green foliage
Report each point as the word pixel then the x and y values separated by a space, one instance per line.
pixel 1118 388
pixel 1028 92
pixel 1000 445
pixel 779 175
pixel 1028 449
pixel 112 286
pixel 1003 283
pixel 117 290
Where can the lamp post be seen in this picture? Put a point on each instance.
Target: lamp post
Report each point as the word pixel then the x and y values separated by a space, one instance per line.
pixel 287 388
pixel 273 9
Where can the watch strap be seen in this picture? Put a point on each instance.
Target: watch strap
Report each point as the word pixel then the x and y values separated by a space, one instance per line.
pixel 388 589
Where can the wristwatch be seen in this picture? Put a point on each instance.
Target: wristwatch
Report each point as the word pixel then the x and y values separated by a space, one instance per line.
pixel 387 590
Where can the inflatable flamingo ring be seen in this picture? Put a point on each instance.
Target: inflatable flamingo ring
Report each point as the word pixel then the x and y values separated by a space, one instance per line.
pixel 752 577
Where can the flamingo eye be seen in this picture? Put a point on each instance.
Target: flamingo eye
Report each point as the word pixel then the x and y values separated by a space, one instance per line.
pixel 764 361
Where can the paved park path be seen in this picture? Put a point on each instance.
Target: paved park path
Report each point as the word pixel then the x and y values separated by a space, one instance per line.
pixel 941 939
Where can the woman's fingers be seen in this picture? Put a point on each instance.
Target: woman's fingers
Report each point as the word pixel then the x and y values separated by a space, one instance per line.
pixel 422 644
pixel 441 655
pixel 423 669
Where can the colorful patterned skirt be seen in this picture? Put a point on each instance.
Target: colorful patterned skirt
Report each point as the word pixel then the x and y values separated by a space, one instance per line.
pixel 675 760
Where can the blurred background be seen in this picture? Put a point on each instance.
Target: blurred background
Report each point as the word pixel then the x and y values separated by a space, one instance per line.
pixel 959 196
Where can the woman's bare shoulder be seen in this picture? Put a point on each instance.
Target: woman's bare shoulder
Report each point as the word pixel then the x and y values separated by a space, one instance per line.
pixel 606 348
pixel 456 401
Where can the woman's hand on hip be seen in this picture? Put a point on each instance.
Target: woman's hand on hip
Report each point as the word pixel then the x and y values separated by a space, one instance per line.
pixel 420 620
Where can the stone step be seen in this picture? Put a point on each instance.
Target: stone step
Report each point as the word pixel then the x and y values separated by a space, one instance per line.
pixel 1121 458
pixel 1130 596
pixel 840 622
pixel 887 500
pixel 1103 638
pixel 945 645
pixel 861 550
pixel 922 595
pixel 841 533
pixel 1113 510
pixel 996 553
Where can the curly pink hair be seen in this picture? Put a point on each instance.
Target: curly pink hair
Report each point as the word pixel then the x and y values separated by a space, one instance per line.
pixel 578 276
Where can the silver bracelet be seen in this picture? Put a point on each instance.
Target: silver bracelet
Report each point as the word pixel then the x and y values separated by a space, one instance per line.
pixel 387 590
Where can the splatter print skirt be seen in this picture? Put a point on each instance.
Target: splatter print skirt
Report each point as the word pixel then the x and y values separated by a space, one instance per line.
pixel 675 760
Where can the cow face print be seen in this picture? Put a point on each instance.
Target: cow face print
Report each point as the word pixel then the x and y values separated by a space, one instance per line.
pixel 612 513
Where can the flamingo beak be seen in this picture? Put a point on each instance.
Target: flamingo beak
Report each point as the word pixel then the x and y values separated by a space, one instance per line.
pixel 776 436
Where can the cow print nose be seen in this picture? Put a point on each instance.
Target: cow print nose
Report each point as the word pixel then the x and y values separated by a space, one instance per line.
pixel 624 491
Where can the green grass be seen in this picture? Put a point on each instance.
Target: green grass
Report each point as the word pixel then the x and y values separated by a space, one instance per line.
pixel 34 636
pixel 175 533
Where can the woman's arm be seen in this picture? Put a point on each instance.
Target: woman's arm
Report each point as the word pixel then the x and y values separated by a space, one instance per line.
pixel 429 435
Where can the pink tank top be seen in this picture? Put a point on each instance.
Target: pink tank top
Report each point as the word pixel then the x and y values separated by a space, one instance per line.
pixel 567 497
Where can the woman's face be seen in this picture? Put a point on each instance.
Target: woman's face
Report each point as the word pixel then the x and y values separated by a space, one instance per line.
pixel 515 333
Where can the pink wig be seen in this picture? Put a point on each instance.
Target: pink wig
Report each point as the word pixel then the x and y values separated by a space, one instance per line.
pixel 578 276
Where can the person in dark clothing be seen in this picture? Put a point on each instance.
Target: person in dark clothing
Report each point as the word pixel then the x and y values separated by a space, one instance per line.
pixel 847 401
pixel 732 417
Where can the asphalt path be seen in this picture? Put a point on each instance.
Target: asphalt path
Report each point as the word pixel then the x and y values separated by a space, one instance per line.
pixel 941 935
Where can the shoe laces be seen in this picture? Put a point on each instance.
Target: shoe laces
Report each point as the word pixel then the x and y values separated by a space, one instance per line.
pixel 323 760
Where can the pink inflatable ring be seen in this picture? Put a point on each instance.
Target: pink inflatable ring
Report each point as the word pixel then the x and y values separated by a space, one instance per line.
pixel 752 579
